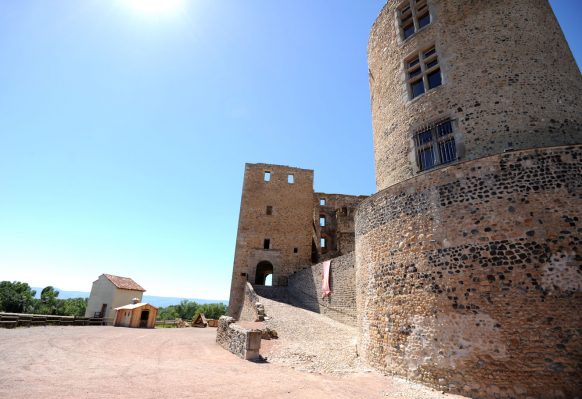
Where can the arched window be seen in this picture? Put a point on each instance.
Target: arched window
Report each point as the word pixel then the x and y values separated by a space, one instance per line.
pixel 264 269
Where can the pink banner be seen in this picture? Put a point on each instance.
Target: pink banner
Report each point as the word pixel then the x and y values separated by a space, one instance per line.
pixel 325 291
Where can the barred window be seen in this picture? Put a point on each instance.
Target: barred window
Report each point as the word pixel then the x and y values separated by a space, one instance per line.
pixel 412 16
pixel 422 72
pixel 435 145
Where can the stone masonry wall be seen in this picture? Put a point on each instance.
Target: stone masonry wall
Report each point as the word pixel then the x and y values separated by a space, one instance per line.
pixel 304 290
pixel 285 211
pixel 509 80
pixel 244 343
pixel 338 210
pixel 288 225
pixel 249 311
pixel 278 294
pixel 469 278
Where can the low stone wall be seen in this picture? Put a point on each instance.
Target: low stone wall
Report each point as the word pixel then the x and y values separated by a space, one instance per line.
pixel 252 309
pixel 304 290
pixel 469 277
pixel 242 342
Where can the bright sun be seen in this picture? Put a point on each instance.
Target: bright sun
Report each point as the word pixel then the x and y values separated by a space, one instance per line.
pixel 155 7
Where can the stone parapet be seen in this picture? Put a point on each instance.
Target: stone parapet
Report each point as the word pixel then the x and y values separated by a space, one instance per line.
pixel 243 342
pixel 252 309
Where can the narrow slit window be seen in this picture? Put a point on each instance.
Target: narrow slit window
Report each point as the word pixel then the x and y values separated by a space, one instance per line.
pixel 322 221
pixel 290 179
pixel 267 244
pixel 267 176
pixel 323 243
pixel 269 210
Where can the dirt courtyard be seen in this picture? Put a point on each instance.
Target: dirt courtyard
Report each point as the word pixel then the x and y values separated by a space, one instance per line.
pixel 109 362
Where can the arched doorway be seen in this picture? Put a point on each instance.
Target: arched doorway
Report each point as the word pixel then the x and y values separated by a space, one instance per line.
pixel 264 269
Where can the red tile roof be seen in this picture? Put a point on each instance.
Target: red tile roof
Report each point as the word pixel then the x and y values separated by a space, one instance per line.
pixel 125 283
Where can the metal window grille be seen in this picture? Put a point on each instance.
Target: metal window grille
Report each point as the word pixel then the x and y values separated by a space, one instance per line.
pixel 435 145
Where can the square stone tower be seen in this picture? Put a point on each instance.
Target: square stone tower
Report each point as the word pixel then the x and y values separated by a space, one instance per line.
pixel 275 227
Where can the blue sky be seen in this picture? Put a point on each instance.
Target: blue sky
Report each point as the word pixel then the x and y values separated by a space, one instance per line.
pixel 124 133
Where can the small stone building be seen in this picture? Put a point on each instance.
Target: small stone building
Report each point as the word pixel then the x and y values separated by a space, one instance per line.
pixel 110 292
pixel 136 315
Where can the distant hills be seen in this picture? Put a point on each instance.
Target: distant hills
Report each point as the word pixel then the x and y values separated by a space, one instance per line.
pixel 158 301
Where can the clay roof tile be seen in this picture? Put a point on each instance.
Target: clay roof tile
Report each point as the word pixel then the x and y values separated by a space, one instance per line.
pixel 125 283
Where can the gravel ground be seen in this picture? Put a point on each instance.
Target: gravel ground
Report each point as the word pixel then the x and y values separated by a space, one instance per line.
pixel 109 362
pixel 314 343
pixel 311 342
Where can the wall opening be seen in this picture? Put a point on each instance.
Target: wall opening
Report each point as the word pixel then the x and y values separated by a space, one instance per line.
pixel 267 176
pixel 264 269
pixel 143 319
pixel 322 201
pixel 290 179
pixel 103 311
pixel 322 220
pixel 323 243
pixel 269 280
pixel 295 250
pixel 267 244
pixel 269 210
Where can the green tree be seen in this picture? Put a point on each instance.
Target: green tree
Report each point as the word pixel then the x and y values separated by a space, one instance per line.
pixel 186 309
pixel 72 307
pixel 16 297
pixel 167 313
pixel 212 310
pixel 48 303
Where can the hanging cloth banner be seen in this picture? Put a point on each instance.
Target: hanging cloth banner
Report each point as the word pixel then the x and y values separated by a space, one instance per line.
pixel 325 291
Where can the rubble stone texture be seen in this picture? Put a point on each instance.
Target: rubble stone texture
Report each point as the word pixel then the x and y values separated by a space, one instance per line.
pixel 468 276
pixel 509 80
pixel 243 342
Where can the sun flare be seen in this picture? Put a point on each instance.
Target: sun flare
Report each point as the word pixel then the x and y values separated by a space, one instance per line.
pixel 155 7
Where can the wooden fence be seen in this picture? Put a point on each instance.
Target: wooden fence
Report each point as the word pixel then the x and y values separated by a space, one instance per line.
pixel 11 320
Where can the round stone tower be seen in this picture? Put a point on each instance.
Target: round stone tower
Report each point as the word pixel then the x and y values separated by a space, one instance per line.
pixel 468 262
pixel 500 72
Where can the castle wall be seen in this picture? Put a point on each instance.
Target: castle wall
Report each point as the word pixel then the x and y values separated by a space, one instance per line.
pixel 304 290
pixel 284 210
pixel 338 210
pixel 469 278
pixel 509 80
